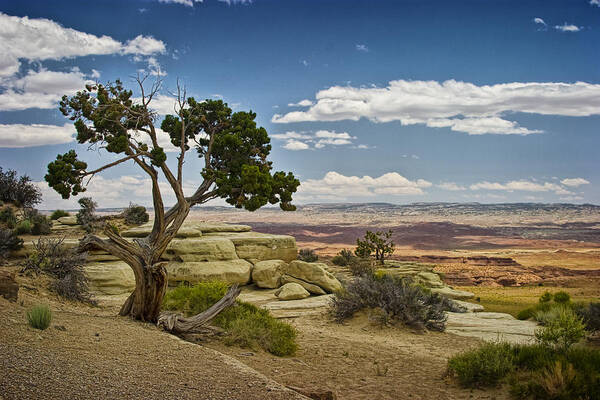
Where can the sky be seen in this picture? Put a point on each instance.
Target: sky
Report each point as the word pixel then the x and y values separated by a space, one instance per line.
pixel 487 101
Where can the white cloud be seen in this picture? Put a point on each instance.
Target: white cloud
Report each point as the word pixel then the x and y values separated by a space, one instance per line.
pixel 304 62
pixel 461 106
pixel 538 20
pixel 451 186
pixel 568 27
pixel 295 145
pixel 291 135
pixel 188 3
pixel 574 182
pixel 595 3
pixel 335 186
pixel 301 103
pixel 521 185
pixel 362 47
pixel 20 135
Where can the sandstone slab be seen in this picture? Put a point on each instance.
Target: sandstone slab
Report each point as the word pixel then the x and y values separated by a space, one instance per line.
pixel 231 271
pixel 291 291
pixel 68 220
pixel 141 231
pixel 212 227
pixel 453 293
pixel 110 278
pixel 491 327
pixel 267 274
pixel 200 249
pixel 314 289
pixel 310 303
pixel 261 246
pixel 314 273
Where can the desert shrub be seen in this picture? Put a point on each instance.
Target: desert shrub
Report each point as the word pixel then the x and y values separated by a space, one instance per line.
pixel 343 258
pixel 590 314
pixel 23 227
pixel 378 242
pixel 18 190
pixel 562 330
pixel 546 303
pixel 65 265
pixel 562 297
pixel 245 325
pixel 8 217
pixel 398 300
pixel 39 317
pixel 307 255
pixel 362 266
pixel 40 225
pixel 56 214
pixel 86 216
pixel 135 215
pixel 546 297
pixel 9 242
pixel 485 366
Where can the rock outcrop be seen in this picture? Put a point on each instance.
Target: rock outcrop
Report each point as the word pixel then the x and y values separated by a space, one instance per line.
pixel 109 278
pixel 292 291
pixel 491 327
pixel 267 274
pixel 314 273
pixel 230 271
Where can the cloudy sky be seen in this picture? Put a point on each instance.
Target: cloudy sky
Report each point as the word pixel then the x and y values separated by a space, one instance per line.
pixel 365 101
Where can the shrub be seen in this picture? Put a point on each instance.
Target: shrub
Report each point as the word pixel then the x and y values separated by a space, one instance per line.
pixel 561 331
pixel 562 297
pixel 9 242
pixel 378 242
pixel 307 255
pixel 23 227
pixel 8 217
pixel 343 258
pixel 39 223
pixel 64 265
pixel 245 324
pixel 56 214
pixel 86 216
pixel 485 366
pixel 39 317
pixel 590 315
pixel 546 303
pixel 398 300
pixel 546 297
pixel 18 190
pixel 362 266
pixel 135 215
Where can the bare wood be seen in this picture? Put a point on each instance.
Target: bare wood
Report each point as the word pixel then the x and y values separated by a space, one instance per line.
pixel 177 323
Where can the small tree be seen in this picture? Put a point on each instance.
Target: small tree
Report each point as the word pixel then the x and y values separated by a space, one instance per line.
pixel 235 167
pixel 378 242
pixel 18 190
pixel 86 216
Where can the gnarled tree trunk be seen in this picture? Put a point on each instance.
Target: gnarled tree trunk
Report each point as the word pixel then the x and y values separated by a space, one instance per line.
pixel 150 288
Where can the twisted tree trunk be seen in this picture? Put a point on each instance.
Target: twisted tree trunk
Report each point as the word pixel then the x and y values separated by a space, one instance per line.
pixel 150 288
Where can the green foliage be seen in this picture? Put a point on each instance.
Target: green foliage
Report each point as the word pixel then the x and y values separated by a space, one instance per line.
pixel 65 174
pixel 18 190
pixel 362 266
pixel 56 214
pixel 546 297
pixel 23 227
pixel 533 371
pixel 86 216
pixel 590 314
pixel 245 324
pixel 562 330
pixel 40 225
pixel 135 215
pixel 343 258
pixel 485 366
pixel 307 255
pixel 378 242
pixel 39 317
pixel 397 300
pixel 8 217
pixel 562 297
pixel 547 302
pixel 9 242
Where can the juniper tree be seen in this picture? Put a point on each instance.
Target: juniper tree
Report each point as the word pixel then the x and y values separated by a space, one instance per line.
pixel 378 242
pixel 235 167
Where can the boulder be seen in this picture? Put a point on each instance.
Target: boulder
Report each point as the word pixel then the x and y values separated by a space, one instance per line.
pixel 314 289
pixel 453 293
pixel 261 246
pixel 469 307
pixel 110 277
pixel 267 274
pixel 68 220
pixel 185 231
pixel 232 271
pixel 292 291
pixel 9 288
pixel 201 249
pixel 314 273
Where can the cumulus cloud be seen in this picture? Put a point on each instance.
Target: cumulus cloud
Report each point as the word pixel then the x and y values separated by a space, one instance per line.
pixel 460 106
pixel 521 185
pixel 574 182
pixel 451 186
pixel 337 186
pixel 568 27
pixel 301 103
pixel 319 140
pixel 20 135
pixel 188 3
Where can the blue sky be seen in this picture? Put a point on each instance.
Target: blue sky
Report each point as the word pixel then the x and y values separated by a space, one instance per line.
pixel 397 101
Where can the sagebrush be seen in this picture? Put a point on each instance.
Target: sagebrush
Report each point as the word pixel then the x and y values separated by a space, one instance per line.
pixel 9 241
pixel 307 255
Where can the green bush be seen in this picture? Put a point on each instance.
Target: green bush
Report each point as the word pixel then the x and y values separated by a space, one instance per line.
pixel 546 303
pixel 485 366
pixel 8 217
pixel 135 215
pixel 39 317
pixel 245 324
pixel 307 255
pixel 562 297
pixel 562 330
pixel 359 266
pixel 40 225
pixel 86 216
pixel 19 191
pixel 590 314
pixel 343 258
pixel 23 227
pixel 56 214
pixel 9 242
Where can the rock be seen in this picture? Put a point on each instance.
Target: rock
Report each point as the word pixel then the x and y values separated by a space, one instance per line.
pixel 261 246
pixel 110 278
pixel 201 249
pixel 491 327
pixel 314 273
pixel 185 231
pixel 210 227
pixel 292 291
pixel 310 303
pixel 470 307
pixel 267 274
pixel 232 271
pixel 315 394
pixel 68 220
pixel 430 279
pixel 507 281
pixel 9 288
pixel 314 289
pixel 453 293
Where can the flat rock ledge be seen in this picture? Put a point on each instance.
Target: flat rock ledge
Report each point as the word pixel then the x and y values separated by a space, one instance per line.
pixel 491 327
